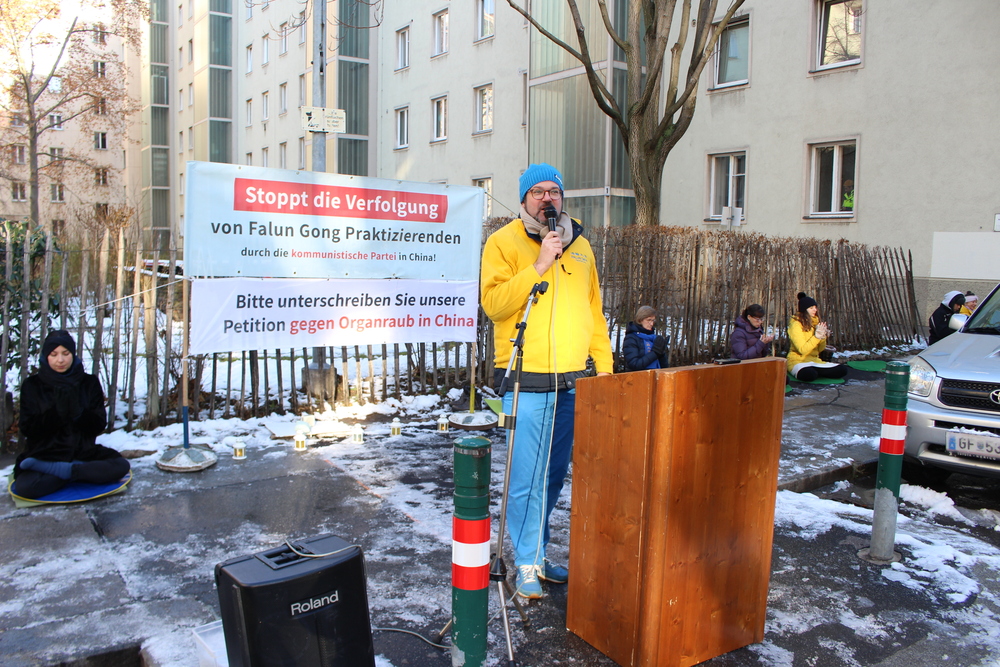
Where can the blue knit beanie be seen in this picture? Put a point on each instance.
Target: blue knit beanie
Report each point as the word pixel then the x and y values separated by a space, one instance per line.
pixel 535 174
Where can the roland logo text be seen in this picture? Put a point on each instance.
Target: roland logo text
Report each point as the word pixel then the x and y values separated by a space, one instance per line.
pixel 315 603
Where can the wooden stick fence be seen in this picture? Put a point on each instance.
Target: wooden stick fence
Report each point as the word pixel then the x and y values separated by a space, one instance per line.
pixel 122 302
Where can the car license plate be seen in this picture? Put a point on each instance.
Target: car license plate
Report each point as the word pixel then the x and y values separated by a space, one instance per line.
pixel 974 444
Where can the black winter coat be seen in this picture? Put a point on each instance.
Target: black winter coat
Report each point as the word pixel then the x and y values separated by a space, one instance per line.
pixel 634 350
pixel 938 324
pixel 62 423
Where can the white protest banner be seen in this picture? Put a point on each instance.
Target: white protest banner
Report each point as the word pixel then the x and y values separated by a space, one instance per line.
pixel 252 221
pixel 235 314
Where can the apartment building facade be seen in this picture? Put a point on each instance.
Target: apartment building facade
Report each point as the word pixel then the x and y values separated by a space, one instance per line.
pixel 870 121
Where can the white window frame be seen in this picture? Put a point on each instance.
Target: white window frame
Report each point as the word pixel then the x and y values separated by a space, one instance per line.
pixel 101 141
pixel 249 61
pixel 283 155
pixel 402 127
pixel 20 154
pixel 302 152
pixel 821 30
pixel 440 33
pixel 302 90
pixel 265 51
pixel 265 106
pixel 265 155
pixel 100 69
pixel 283 40
pixel 483 108
pixel 190 138
pixel 283 98
pixel 18 191
pixel 403 48
pixel 739 22
pixel 102 176
pixel 249 112
pixel 302 27
pixel 734 180
pixel 249 159
pixel 486 183
pixel 190 50
pixel 837 182
pixel 486 16
pixel 190 94
pixel 439 118
pixel 55 153
pixel 57 193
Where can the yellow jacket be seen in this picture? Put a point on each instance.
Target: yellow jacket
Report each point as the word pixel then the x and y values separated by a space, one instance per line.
pixel 566 325
pixel 805 347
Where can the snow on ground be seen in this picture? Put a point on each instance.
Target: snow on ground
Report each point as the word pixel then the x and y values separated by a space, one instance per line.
pixel 941 559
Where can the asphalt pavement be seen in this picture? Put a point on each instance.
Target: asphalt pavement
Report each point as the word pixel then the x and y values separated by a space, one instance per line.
pixel 93 584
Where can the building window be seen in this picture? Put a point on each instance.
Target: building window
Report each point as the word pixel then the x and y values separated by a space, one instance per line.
pixel 249 113
pixel 190 50
pixel 485 18
pixel 302 27
pixel 101 141
pixel 55 153
pixel 55 121
pixel 17 120
pixel 249 159
pixel 440 33
pixel 264 4
pixel 57 192
pixel 20 154
pixel 840 27
pixel 283 39
pixel 283 155
pixel 190 94
pixel 101 107
pixel 439 114
pixel 832 178
pixel 100 36
pixel 180 99
pixel 403 127
pixel 487 185
pixel 249 59
pixel 283 98
pixel 180 141
pixel 249 6
pixel 102 210
pixel 264 50
pixel 265 105
pixel 100 69
pixel 58 227
pixel 264 155
pixel 191 138
pixel 732 57
pixel 727 183
pixel 484 109
pixel 101 176
pixel 302 152
pixel 180 15
pixel 19 191
pixel 302 90
pixel 403 48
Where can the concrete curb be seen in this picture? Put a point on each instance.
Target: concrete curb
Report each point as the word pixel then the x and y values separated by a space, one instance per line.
pixel 815 480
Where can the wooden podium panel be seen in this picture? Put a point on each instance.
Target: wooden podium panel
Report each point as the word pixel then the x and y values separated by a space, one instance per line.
pixel 675 473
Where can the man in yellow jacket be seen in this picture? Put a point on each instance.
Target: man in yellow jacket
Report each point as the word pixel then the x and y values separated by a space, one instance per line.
pixel 564 328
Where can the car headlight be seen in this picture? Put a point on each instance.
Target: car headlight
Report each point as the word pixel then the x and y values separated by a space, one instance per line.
pixel 921 377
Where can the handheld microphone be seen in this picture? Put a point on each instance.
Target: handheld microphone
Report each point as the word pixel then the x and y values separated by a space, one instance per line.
pixel 551 217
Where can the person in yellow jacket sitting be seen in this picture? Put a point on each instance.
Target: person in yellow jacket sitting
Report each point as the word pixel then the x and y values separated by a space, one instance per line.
pixel 807 338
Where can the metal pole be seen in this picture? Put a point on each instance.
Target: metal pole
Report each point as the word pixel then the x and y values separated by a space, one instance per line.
pixel 470 553
pixel 319 154
pixel 890 465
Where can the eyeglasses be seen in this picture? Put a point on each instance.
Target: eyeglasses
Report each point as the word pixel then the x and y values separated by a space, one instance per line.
pixel 538 193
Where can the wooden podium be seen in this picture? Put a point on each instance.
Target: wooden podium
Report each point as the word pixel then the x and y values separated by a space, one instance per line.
pixel 674 479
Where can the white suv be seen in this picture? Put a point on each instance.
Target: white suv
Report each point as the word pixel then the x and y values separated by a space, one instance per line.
pixel 953 404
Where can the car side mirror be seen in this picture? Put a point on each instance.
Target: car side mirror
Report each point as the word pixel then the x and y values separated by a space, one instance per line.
pixel 957 321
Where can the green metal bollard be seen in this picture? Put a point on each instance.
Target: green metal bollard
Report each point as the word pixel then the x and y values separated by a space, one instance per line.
pixel 890 464
pixel 470 554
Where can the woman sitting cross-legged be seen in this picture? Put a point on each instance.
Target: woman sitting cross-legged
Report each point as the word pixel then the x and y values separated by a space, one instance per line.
pixel 62 413
pixel 807 338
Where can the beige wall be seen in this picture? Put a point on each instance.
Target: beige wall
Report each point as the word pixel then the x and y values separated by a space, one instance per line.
pixel 499 60
pixel 922 106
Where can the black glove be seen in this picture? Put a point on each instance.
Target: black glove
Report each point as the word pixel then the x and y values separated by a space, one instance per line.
pixel 659 345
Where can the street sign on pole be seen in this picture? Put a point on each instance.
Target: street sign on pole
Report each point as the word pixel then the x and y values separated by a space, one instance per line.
pixel 320 119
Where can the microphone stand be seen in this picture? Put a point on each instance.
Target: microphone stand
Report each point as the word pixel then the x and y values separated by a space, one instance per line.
pixel 498 569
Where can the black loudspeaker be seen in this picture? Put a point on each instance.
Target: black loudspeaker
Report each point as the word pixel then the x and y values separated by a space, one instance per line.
pixel 281 609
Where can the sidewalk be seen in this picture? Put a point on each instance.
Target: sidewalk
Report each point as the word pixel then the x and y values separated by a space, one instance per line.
pixel 135 571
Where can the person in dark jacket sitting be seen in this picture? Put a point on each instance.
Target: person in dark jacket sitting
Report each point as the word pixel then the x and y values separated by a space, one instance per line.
pixel 938 322
pixel 748 340
pixel 62 413
pixel 643 349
